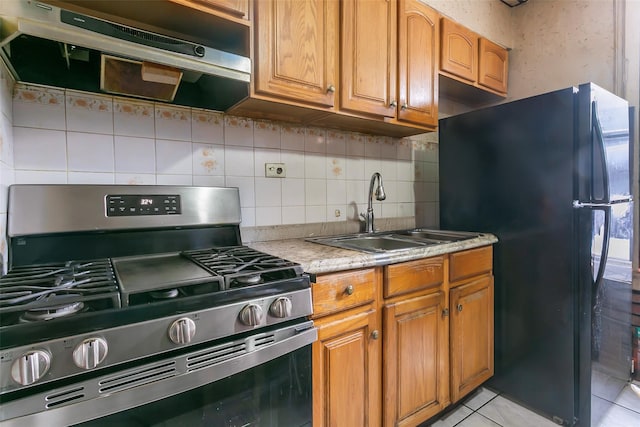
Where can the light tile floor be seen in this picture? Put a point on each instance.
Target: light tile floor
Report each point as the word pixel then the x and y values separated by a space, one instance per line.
pixel 484 408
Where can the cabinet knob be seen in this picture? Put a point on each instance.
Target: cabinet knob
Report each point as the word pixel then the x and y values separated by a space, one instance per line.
pixel 445 312
pixel 331 89
pixel 393 104
pixel 349 290
pixel 404 106
pixel 375 334
pixel 459 307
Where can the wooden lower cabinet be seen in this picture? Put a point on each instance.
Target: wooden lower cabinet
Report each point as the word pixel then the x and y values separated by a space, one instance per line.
pixel 471 348
pixel 415 355
pixel 396 345
pixel 346 370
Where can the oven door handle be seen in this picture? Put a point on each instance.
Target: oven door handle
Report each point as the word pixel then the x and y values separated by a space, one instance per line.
pixel 140 385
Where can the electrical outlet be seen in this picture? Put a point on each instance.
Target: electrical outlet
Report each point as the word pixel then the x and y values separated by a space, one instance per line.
pixel 275 170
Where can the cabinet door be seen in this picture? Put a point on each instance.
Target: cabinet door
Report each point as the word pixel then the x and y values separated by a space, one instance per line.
pixel 459 50
pixel 471 335
pixel 494 66
pixel 418 47
pixel 296 50
pixel 415 377
pixel 346 370
pixel 368 58
pixel 236 7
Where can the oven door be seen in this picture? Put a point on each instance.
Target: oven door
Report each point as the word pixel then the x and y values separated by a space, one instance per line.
pixel 263 379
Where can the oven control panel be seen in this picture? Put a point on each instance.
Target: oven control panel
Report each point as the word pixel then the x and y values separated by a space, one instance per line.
pixel 137 205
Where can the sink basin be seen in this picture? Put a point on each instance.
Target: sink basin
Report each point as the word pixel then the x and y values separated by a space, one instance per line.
pixel 391 241
pixel 384 243
pixel 438 236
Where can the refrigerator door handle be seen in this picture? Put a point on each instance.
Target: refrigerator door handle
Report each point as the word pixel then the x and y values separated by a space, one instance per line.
pixel 604 253
pixel 597 131
pixel 578 204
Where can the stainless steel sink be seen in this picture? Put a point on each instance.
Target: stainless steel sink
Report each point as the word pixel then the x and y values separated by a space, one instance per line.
pixel 392 241
pixel 438 236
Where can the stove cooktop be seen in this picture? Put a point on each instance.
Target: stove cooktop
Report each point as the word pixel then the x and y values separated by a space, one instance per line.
pixel 123 290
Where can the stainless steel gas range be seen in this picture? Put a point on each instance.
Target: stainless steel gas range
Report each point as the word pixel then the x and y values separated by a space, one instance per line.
pixel 139 305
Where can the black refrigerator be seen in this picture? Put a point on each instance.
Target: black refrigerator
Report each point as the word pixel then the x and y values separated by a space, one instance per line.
pixel 550 177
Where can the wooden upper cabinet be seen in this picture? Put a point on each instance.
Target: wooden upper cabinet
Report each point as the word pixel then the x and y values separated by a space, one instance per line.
pixel 459 50
pixel 493 67
pixel 418 47
pixel 238 8
pixel 368 57
pixel 296 50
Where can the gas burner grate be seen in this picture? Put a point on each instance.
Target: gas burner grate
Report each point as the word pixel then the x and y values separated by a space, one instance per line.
pixel 55 286
pixel 242 266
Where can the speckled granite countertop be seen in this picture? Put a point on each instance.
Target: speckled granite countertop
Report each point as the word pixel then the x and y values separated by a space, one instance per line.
pixel 316 258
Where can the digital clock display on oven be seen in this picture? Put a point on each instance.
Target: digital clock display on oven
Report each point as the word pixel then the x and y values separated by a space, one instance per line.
pixel 136 205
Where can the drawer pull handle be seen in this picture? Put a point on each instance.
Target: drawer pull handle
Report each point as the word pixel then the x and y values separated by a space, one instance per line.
pixel 349 290
pixel 459 307
pixel 375 334
pixel 445 312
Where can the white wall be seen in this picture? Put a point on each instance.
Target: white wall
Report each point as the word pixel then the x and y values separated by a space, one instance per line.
pixel 561 43
pixel 6 152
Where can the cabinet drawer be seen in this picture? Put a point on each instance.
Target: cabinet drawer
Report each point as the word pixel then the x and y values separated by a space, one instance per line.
pixel 339 291
pixel 470 263
pixel 413 276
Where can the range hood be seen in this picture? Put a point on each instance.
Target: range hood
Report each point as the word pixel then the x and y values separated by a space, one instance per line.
pixel 44 44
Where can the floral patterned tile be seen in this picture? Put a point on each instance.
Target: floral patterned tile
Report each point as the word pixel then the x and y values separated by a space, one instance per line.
pixel 315 140
pixel 266 134
pixel 336 168
pixel 39 107
pixel 88 112
pixel 133 118
pixel 336 142
pixel 355 144
pixel 207 126
pixel 172 122
pixel 292 138
pixel 208 159
pixel 238 131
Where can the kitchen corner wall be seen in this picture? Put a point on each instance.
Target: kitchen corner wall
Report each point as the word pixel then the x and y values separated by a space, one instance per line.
pixel 6 153
pixel 64 136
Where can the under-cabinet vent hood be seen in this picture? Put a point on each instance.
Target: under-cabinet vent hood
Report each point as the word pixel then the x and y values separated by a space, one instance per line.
pixel 44 44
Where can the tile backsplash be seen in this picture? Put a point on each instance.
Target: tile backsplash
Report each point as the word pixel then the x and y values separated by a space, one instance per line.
pixel 65 136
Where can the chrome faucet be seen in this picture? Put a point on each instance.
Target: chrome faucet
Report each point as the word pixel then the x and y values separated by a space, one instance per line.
pixel 368 219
